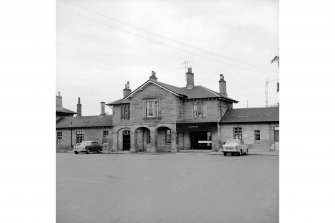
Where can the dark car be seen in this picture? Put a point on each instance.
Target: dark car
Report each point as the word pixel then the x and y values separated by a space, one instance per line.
pixel 87 147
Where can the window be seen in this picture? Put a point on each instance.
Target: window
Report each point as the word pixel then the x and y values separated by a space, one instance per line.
pixel 238 133
pixel 148 137
pixel 168 136
pixel 257 135
pixel 79 136
pixel 104 136
pixel 59 137
pixel 197 109
pixel 177 138
pixel 125 112
pixel 151 108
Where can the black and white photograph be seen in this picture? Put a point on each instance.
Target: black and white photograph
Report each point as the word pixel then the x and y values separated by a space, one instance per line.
pixel 167 111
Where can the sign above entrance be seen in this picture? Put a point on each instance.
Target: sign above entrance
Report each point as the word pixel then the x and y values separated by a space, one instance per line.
pixel 188 127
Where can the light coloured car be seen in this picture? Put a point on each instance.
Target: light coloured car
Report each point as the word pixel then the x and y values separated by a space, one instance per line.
pixel 234 146
pixel 87 147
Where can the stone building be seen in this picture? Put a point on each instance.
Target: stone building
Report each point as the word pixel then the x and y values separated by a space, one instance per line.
pixel 158 117
pixel 71 130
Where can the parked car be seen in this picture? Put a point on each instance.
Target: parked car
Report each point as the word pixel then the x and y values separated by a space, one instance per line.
pixel 87 147
pixel 234 146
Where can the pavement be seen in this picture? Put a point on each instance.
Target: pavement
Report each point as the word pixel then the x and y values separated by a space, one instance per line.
pixel 170 187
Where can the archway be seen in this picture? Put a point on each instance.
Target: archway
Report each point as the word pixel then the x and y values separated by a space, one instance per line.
pixel 123 139
pixel 142 139
pixel 164 139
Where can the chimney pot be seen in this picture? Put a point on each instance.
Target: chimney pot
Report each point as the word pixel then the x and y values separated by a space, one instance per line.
pixel 153 76
pixel 126 90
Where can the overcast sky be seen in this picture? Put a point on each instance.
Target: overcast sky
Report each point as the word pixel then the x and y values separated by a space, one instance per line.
pixel 101 44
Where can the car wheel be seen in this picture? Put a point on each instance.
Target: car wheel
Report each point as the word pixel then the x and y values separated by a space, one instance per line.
pixel 86 152
pixel 225 154
pixel 75 152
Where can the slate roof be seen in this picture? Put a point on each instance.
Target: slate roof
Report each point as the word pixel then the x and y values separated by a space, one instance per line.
pixel 120 101
pixel 64 110
pixel 247 115
pixel 85 121
pixel 196 92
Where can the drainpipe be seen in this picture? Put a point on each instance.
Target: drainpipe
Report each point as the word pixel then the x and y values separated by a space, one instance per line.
pixel 71 135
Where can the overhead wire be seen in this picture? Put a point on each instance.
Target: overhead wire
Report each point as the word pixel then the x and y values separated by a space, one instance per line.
pixel 158 42
pixel 167 38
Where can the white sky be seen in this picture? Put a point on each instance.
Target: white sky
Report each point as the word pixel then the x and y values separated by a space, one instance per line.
pixel 95 58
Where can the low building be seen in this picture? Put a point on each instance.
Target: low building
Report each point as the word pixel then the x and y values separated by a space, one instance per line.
pixel 72 130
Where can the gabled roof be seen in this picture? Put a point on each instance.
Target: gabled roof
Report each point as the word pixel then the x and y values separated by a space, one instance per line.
pixel 196 92
pixel 247 115
pixel 64 110
pixel 85 121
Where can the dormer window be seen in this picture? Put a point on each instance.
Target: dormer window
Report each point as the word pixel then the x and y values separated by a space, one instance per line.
pixel 151 108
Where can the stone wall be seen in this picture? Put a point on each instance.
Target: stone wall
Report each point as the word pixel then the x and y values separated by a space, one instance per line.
pixel 266 134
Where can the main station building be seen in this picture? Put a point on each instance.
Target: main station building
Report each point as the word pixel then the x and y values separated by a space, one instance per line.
pixel 158 117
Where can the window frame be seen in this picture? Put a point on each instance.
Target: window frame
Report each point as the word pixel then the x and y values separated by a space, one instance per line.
pixel 257 135
pixel 151 108
pixel 80 135
pixel 198 110
pixel 125 112
pixel 237 134
pixel 105 136
pixel 168 136
pixel 59 137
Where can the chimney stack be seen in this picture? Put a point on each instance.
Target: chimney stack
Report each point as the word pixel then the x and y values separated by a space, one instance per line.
pixel 59 103
pixel 189 78
pixel 102 108
pixel 222 84
pixel 126 90
pixel 153 76
pixel 78 108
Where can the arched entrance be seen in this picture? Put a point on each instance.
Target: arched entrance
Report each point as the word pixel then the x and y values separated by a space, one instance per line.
pixel 126 140
pixel 142 139
pixel 164 139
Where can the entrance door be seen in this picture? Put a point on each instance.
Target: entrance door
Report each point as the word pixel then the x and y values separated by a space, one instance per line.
pixel 201 140
pixel 126 140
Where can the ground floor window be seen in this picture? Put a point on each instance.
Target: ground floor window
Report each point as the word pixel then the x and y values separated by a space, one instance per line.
pixel 238 133
pixel 79 136
pixel 104 136
pixel 148 137
pixel 257 135
pixel 59 137
pixel 168 136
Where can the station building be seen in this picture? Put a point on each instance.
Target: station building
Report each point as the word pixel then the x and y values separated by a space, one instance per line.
pixel 158 117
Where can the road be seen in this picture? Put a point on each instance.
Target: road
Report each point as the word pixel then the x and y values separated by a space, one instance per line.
pixel 181 187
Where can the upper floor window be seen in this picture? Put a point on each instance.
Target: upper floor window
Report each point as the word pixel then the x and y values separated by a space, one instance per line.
pixel 104 136
pixel 238 133
pixel 79 136
pixel 197 109
pixel 59 137
pixel 125 112
pixel 151 108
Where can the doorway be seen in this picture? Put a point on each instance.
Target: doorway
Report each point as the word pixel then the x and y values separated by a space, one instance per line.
pixel 201 140
pixel 126 140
